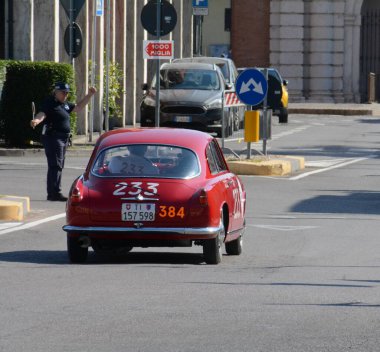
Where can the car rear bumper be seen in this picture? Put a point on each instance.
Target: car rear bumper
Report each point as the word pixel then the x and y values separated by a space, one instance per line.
pixel 177 232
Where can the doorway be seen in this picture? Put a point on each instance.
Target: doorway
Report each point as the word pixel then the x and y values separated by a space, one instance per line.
pixel 370 49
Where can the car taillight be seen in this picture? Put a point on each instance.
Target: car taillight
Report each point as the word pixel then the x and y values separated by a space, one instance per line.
pixel 76 193
pixel 203 200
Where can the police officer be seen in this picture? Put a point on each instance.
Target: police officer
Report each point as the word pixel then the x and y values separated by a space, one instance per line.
pixel 55 116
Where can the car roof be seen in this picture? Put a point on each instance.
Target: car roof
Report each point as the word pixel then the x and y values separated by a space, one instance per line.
pixel 210 59
pixel 189 65
pixel 186 138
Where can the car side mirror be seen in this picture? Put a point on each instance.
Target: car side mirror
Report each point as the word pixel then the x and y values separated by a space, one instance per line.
pixel 229 86
pixel 285 82
pixel 145 86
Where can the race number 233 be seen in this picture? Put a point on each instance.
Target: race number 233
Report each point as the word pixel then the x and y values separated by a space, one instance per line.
pixel 171 212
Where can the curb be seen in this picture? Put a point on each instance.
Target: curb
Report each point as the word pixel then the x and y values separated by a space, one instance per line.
pixel 274 167
pixel 13 208
pixel 331 111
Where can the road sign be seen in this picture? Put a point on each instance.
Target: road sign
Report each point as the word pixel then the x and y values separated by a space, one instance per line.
pixel 77 6
pixel 149 17
pixel 158 49
pixel 200 7
pixel 77 40
pixel 99 7
pixel 200 3
pixel 251 87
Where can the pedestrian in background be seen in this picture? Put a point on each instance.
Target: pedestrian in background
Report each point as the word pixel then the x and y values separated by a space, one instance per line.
pixel 55 117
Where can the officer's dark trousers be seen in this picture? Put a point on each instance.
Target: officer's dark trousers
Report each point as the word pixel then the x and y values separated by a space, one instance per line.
pixel 55 150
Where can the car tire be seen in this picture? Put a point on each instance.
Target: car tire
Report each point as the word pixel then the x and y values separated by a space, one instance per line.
pixel 234 247
pixel 283 116
pixel 212 249
pixel 76 253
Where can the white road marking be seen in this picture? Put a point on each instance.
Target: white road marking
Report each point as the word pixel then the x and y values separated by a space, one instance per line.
pixel 274 136
pixel 40 164
pixel 284 227
pixel 7 225
pixel 324 163
pixel 32 224
pixel 306 174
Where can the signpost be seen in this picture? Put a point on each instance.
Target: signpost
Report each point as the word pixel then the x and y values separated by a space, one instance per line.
pixel 200 9
pixel 252 89
pixel 158 17
pixel 73 31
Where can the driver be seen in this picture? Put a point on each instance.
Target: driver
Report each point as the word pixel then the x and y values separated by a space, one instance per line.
pixel 135 164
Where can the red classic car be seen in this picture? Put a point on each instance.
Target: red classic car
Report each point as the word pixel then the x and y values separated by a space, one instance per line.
pixel 156 187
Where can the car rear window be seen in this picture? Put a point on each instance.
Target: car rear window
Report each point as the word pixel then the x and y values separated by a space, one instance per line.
pixel 188 79
pixel 146 160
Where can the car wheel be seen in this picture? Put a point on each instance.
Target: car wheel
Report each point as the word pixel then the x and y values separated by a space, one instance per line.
pixel 76 253
pixel 212 249
pixel 283 117
pixel 234 247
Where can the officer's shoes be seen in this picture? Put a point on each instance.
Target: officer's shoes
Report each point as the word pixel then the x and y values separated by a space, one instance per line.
pixel 57 198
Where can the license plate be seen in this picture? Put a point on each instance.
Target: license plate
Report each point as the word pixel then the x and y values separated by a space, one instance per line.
pixel 182 119
pixel 138 212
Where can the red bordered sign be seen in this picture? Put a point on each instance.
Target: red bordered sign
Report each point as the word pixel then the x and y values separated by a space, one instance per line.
pixel 158 49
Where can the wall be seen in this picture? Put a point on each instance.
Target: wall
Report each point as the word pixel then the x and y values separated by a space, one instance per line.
pixel 213 26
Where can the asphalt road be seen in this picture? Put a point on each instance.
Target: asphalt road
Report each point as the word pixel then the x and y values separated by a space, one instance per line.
pixel 308 280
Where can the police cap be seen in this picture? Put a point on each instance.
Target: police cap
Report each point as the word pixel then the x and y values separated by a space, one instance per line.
pixel 62 86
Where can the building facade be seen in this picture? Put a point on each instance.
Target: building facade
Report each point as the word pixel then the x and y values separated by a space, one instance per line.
pixel 325 48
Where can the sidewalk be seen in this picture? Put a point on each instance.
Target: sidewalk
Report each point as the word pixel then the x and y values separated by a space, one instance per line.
pixel 348 109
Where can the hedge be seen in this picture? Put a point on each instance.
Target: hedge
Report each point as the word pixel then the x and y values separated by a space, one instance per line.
pixel 27 82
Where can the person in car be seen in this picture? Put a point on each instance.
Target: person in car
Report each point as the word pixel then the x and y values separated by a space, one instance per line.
pixel 133 164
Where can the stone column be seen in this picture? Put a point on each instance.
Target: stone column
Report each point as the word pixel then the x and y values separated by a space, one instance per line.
pixel 141 64
pixel 120 49
pixel 287 44
pixel 46 30
pixel 130 70
pixel 23 34
pixel 178 30
pixel 349 21
pixel 322 46
pixel 187 24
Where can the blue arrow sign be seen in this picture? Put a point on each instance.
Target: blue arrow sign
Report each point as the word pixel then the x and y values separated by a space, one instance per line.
pixel 251 87
pixel 200 3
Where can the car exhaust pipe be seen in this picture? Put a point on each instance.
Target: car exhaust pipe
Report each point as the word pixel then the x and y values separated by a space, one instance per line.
pixel 84 241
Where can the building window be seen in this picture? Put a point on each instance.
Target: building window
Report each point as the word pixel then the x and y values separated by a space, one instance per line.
pixel 227 20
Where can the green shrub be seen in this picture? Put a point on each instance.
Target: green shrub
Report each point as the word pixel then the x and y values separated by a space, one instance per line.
pixel 28 82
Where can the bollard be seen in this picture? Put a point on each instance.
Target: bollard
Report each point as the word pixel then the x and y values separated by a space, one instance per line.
pixel 252 126
pixel 371 87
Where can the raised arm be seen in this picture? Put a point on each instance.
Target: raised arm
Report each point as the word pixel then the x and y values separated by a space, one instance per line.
pixel 80 105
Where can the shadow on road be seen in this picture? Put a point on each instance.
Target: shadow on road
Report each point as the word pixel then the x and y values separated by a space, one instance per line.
pixel 357 202
pixel 60 258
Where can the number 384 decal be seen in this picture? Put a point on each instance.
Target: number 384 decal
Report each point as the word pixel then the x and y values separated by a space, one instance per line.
pixel 171 212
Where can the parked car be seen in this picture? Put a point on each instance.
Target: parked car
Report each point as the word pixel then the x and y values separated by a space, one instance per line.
pixel 156 187
pixel 230 74
pixel 191 96
pixel 278 96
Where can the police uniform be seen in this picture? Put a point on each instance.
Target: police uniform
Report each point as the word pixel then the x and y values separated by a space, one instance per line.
pixel 55 138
